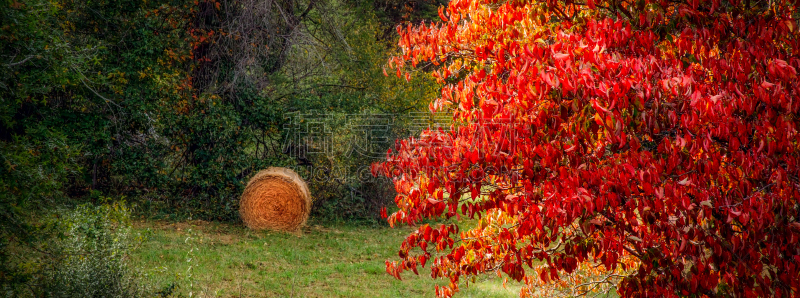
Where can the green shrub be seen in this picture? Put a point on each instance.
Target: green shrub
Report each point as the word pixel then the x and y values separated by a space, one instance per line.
pixel 89 256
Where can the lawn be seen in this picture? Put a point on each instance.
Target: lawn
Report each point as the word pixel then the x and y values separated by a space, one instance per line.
pixel 225 260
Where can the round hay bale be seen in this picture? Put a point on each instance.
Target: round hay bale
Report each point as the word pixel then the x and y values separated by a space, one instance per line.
pixel 275 199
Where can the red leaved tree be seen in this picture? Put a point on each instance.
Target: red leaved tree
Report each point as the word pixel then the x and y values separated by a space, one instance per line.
pixel 645 146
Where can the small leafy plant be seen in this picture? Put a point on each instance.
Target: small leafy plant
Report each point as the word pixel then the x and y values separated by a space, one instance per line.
pixel 89 256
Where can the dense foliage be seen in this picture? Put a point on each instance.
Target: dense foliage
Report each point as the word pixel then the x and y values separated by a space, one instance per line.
pixel 80 252
pixel 175 103
pixel 656 141
pixel 94 260
pixel 70 107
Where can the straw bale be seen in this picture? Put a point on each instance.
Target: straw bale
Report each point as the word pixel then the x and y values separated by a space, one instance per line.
pixel 275 199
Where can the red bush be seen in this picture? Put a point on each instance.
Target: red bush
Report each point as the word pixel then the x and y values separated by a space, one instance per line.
pixel 656 139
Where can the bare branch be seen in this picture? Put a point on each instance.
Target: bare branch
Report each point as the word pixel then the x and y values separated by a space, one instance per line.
pixel 29 57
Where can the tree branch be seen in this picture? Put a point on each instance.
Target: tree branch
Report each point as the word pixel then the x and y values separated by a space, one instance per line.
pixel 19 62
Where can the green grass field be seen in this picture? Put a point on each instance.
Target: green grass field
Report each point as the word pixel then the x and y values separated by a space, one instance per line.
pixel 223 260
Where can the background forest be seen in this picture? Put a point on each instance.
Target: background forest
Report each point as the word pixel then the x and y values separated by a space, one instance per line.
pixel 169 106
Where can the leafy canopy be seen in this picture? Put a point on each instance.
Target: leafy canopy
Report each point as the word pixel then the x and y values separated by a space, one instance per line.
pixel 647 146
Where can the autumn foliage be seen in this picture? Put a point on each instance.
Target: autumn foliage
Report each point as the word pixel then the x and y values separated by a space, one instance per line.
pixel 645 146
